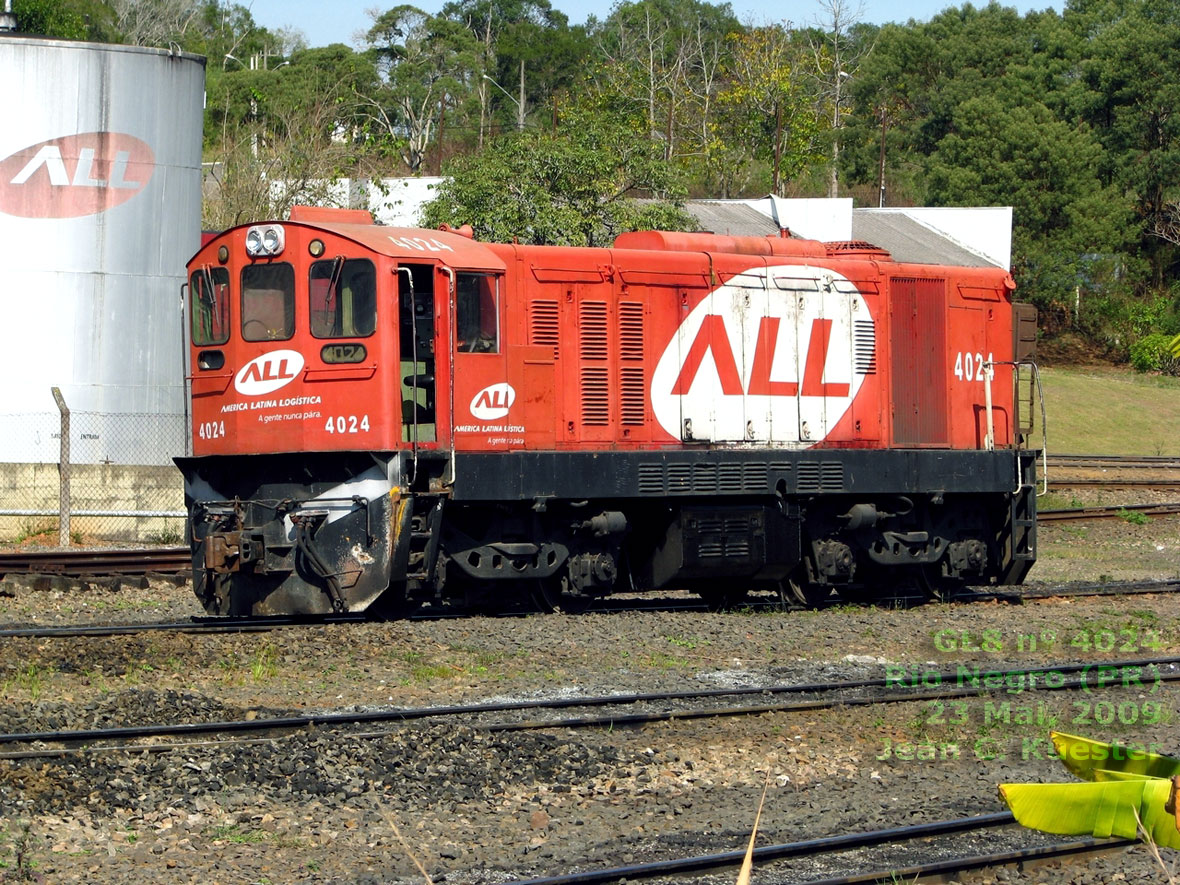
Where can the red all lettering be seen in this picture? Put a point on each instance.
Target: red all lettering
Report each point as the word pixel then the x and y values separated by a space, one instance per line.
pixel 712 338
pixel 263 371
pixel 497 399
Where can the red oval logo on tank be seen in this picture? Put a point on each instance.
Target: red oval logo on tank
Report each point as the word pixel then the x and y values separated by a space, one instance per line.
pixel 74 175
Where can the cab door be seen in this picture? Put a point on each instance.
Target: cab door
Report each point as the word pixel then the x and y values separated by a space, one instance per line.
pixel 485 408
pixel 423 356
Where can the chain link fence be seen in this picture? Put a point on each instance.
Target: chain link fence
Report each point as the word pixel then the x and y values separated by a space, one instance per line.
pixel 90 477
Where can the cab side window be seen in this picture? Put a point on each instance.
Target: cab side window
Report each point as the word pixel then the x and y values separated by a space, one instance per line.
pixel 209 308
pixel 268 302
pixel 477 313
pixel 343 298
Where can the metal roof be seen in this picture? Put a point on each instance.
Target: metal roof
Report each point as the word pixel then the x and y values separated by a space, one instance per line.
pixel 733 218
pixel 910 241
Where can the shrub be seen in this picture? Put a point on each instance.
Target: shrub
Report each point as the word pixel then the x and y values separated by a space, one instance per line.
pixel 1153 353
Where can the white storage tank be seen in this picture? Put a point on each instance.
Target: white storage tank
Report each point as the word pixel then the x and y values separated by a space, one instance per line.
pixel 100 206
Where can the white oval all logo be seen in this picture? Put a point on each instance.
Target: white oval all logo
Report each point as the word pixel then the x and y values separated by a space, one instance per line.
pixel 493 402
pixel 774 364
pixel 269 372
pixel 74 175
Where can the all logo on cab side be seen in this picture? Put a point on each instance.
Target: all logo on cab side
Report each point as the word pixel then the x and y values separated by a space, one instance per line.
pixel 493 402
pixel 74 175
pixel 269 372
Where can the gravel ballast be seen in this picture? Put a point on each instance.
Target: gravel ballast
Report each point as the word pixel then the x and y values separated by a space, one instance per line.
pixel 472 806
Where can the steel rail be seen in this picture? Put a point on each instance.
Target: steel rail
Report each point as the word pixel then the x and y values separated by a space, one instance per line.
pixel 981 861
pixel 969 687
pixel 851 841
pixel 97 561
pixel 196 625
pixel 803 848
pixel 249 624
pixel 1117 460
pixel 1107 512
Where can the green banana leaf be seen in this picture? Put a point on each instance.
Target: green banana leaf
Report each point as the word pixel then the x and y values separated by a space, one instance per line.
pixel 1100 809
pixel 1100 775
pixel 1082 756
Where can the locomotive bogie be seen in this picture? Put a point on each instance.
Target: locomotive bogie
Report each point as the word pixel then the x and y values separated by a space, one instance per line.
pixel 396 415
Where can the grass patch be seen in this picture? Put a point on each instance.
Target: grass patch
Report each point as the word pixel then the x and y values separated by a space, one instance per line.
pixel 265 664
pixel 237 834
pixel 1094 411
pixel 29 679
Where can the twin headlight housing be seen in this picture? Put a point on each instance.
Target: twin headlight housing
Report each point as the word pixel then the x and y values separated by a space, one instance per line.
pixel 264 239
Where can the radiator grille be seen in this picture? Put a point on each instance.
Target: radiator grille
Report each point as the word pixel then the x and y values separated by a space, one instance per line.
pixel 864 345
pixel 708 478
pixel 543 325
pixel 633 396
pixel 592 330
pixel 595 396
pixel 821 476
pixel 630 330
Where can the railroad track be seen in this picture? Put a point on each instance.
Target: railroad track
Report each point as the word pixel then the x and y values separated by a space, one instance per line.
pixel 277 622
pixel 894 837
pixel 1153 462
pixel 1116 511
pixel 98 561
pixel 1114 471
pixel 654 707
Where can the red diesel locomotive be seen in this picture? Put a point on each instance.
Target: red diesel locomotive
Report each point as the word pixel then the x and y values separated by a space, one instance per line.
pixel 411 414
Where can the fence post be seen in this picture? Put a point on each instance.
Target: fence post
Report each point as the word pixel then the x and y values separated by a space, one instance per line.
pixel 63 469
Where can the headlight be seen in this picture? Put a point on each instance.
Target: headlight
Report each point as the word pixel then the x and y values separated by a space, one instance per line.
pixel 264 239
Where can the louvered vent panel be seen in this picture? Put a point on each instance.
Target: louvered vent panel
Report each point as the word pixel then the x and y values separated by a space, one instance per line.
pixel 679 478
pixel 595 396
pixel 864 345
pixel 754 476
pixel 630 330
pixel 808 477
pixel 651 479
pixel 704 478
pixel 731 478
pixel 831 476
pixel 592 330
pixel 543 325
pixel 632 396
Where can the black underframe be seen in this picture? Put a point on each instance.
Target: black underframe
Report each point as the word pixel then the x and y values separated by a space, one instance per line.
pixel 510 476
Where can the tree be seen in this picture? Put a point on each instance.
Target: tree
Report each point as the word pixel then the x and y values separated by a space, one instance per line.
pixel 155 22
pixel 426 64
pixel 1023 156
pixel 524 49
pixel 837 58
pixel 574 186
pixel 67 19
pixel 660 58
pixel 765 106
pixel 1129 91
pixel 283 135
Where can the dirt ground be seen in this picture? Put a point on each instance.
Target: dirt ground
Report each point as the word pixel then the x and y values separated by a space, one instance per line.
pixel 466 805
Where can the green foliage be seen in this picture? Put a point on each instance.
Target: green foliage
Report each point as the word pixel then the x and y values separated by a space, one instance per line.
pixel 1154 353
pixel 996 153
pixel 1068 118
pixel 1134 517
pixel 1124 793
pixel 573 186
pixel 66 19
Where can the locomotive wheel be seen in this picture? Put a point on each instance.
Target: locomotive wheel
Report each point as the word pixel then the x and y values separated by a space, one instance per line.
pixel 795 589
pixel 550 595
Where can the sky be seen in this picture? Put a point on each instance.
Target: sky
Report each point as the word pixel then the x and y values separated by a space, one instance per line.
pixel 340 22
